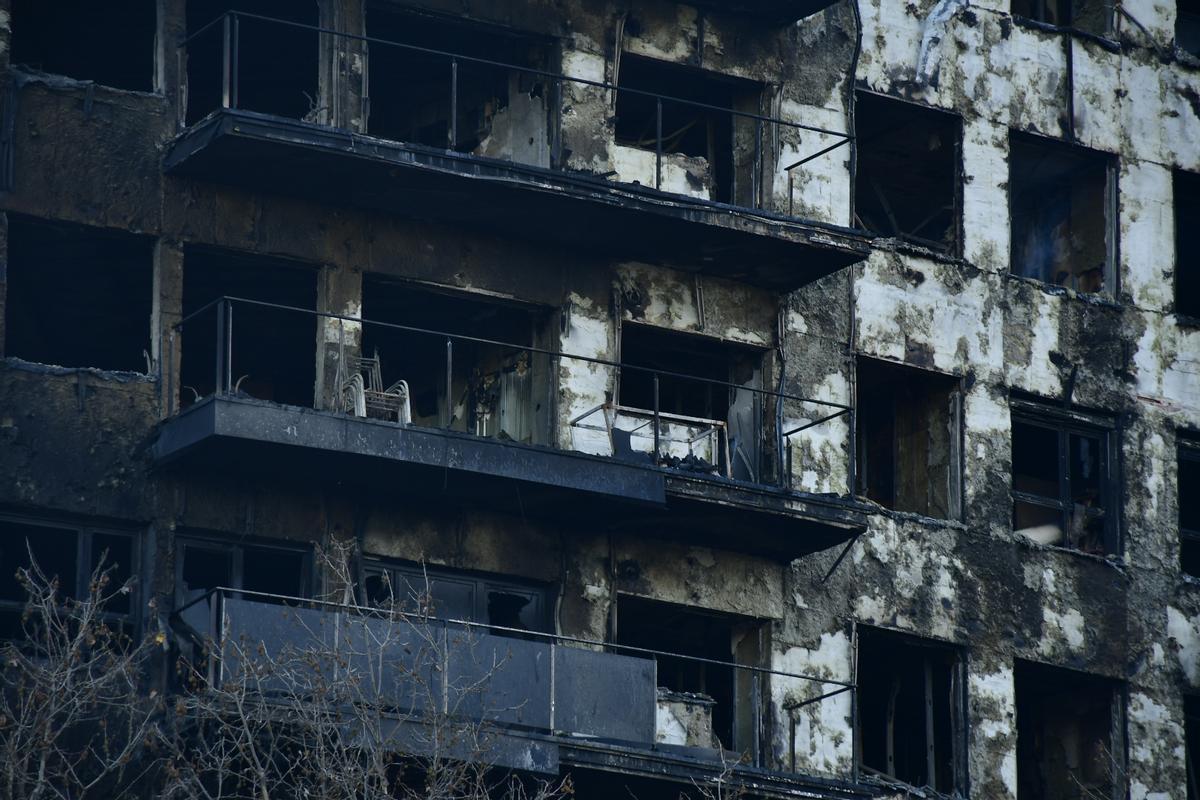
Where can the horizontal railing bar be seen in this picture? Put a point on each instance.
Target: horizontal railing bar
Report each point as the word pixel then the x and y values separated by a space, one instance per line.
pixel 529 349
pixel 531 71
pixel 369 610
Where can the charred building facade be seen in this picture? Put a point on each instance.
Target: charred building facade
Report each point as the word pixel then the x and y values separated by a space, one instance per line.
pixel 800 394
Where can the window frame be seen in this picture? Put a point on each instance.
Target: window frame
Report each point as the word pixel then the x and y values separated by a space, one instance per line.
pixel 959 729
pixel 236 549
pixel 1065 423
pixel 1112 208
pixel 481 582
pixel 85 534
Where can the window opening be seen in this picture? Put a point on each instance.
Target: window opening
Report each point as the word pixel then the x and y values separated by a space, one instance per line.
pixel 1187 243
pixel 458 595
pixel 1089 16
pixel 497 390
pixel 906 183
pixel 78 296
pixel 277 64
pixel 712 149
pixel 910 710
pixel 64 553
pixel 1187 26
pixel 726 694
pixel 1191 717
pixel 1062 483
pixel 1063 201
pixel 1189 505
pixel 502 113
pixel 86 40
pixel 1069 728
pixel 908 438
pixel 273 350
pixel 690 407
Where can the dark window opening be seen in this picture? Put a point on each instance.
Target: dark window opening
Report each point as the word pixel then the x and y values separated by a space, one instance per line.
pixel 906 184
pixel 1191 717
pixel 1188 492
pixel 908 438
pixel 277 63
pixel 458 595
pixel 1187 243
pixel 78 297
pixel 1187 26
pixel 497 388
pixel 501 112
pixel 1063 201
pixel 1062 483
pixel 721 143
pixel 684 631
pixel 910 710
pixel 273 351
pixel 1089 16
pixel 66 555
pixel 1069 733
pixel 87 40
pixel 693 403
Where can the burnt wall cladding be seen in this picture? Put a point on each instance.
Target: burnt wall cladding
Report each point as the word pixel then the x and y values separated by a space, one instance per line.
pixel 75 442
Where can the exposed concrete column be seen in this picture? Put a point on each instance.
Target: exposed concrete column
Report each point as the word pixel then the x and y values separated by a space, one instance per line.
pixel 166 344
pixel 339 291
pixel 343 79
pixel 168 64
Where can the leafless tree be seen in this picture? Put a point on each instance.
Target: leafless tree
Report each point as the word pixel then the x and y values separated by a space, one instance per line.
pixel 76 720
pixel 356 704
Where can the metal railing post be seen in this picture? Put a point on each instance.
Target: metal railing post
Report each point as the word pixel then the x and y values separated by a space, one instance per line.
pixel 453 103
pixel 234 67
pixel 658 147
pixel 656 433
pixel 220 348
pixel 168 380
pixel 556 145
pixel 226 58
pixel 449 381
pixel 758 164
pixel 228 345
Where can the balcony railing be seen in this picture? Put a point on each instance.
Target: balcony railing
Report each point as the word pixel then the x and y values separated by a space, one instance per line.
pixel 415 668
pixel 436 380
pixel 216 52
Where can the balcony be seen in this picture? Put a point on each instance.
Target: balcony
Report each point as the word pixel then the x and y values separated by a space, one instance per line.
pixel 440 416
pixel 537 703
pixel 472 141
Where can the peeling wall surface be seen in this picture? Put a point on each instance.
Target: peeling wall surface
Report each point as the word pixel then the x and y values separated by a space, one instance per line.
pixel 76 441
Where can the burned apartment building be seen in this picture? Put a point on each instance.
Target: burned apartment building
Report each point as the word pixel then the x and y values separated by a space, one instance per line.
pixel 802 395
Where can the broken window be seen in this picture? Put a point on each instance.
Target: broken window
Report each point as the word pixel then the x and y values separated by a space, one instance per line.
pixel 704 425
pixel 1187 244
pixel 911 710
pixel 277 63
pixel 908 438
pixel 1187 26
pixel 88 41
pixel 1069 733
pixel 1191 717
pixel 67 554
pixel 272 351
pixel 278 572
pixel 1063 201
pixel 1189 505
pixel 1062 484
pixel 708 151
pixel 906 183
pixel 499 112
pixel 78 296
pixel 1089 16
pixel 497 387
pixel 456 595
pixel 730 698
